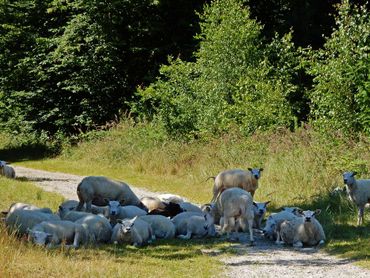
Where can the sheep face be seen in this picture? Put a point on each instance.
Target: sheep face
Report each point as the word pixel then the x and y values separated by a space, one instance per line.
pixel 39 237
pixel 349 178
pixel 256 172
pixel 114 207
pixel 308 215
pixel 260 208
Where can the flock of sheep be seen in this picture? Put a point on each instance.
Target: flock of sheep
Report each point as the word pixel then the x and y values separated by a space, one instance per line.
pixel 108 211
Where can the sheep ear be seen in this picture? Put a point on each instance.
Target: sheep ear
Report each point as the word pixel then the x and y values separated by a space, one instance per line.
pixel 261 169
pixel 300 211
pixel 317 212
pixel 255 204
pixel 119 221
pixel 354 173
pixel 122 202
pixel 250 169
pixel 266 203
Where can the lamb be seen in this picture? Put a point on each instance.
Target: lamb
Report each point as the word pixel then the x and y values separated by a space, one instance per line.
pixel 53 233
pixel 275 219
pixel 94 188
pixel 116 211
pixel 194 224
pixel 247 180
pixel 235 206
pixel 302 230
pixel 162 226
pixel 259 213
pixel 97 228
pixel 20 220
pixel 358 192
pixel 134 231
pixel 6 170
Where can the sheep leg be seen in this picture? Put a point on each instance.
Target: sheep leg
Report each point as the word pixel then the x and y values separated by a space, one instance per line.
pixel 298 244
pixel 360 216
pixel 279 238
pixel 250 226
pixel 88 206
pixel 80 205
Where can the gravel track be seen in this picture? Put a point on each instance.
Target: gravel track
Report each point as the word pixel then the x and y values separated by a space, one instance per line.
pixel 263 260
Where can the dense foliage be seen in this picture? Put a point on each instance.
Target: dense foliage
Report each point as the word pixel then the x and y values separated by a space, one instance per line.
pixel 71 66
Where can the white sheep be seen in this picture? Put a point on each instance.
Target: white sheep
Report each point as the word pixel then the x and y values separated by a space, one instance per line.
pixel 358 192
pixel 116 211
pixel 235 206
pixel 187 206
pixel 24 206
pixel 71 215
pixel 302 230
pixel 194 224
pixel 275 219
pixel 6 170
pixel 133 231
pixel 247 180
pixel 97 228
pixel 259 209
pixel 167 198
pixel 19 221
pixel 73 204
pixel 99 190
pixel 162 226
pixel 54 233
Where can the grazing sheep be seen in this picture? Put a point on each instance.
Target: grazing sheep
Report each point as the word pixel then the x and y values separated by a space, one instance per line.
pixel 20 220
pixel 235 206
pixel 171 198
pixel 200 226
pixel 275 219
pixel 358 192
pixel 116 211
pixel 6 170
pixel 169 210
pixel 302 230
pixel 133 231
pixel 162 226
pixel 259 213
pixel 97 228
pixel 247 180
pixel 53 233
pixel 101 188
pixel 187 206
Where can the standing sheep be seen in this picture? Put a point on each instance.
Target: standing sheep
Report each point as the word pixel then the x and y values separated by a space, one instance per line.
pixel 302 230
pixel 235 206
pixel 162 226
pixel 358 192
pixel 133 231
pixel 6 170
pixel 103 189
pixel 247 180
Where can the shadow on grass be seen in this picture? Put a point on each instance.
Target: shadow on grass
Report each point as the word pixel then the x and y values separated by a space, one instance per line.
pixel 28 152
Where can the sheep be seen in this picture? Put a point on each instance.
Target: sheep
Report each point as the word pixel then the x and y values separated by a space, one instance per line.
pixel 6 170
pixel 162 226
pixel 98 228
pixel 275 219
pixel 71 215
pixel 194 224
pixel 259 210
pixel 24 206
pixel 152 203
pixel 161 208
pixel 134 231
pixel 302 230
pixel 171 198
pixel 20 220
pixel 235 206
pixel 247 180
pixel 103 189
pixel 358 192
pixel 187 206
pixel 53 233
pixel 73 204
pixel 116 211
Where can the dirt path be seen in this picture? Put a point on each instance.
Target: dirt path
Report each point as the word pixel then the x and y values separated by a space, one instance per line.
pixel 263 260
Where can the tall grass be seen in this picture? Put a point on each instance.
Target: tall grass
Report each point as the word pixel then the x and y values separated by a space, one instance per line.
pixel 300 168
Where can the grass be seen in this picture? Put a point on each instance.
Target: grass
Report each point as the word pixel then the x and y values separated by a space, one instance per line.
pixel 165 258
pixel 300 169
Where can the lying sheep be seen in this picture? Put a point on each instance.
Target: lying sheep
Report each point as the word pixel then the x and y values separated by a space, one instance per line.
pixel 194 224
pixel 169 210
pixel 152 203
pixel 24 206
pixel 358 192
pixel 167 198
pixel 6 170
pixel 259 210
pixel 19 221
pixel 71 215
pixel 275 219
pixel 73 204
pixel 116 211
pixel 247 180
pixel 133 231
pixel 187 206
pixel 235 206
pixel 102 188
pixel 162 226
pixel 97 228
pixel 54 233
pixel 302 230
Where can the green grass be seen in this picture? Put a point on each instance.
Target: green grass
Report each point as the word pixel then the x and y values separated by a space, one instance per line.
pixel 164 258
pixel 301 168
